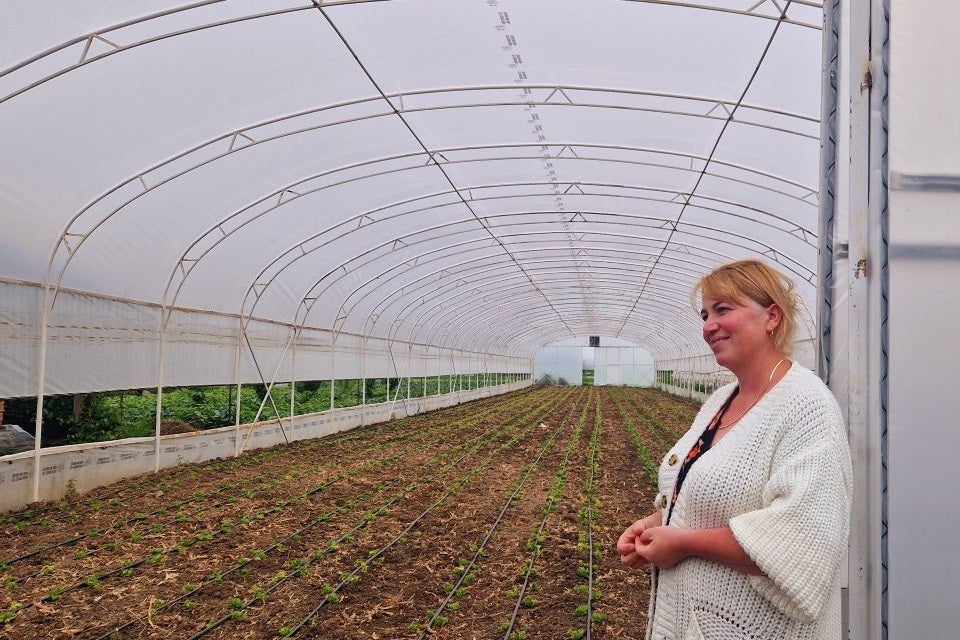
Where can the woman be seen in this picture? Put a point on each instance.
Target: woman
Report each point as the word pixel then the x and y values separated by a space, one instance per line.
pixel 751 524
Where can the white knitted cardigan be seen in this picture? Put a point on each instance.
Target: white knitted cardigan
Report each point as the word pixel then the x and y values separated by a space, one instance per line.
pixel 781 480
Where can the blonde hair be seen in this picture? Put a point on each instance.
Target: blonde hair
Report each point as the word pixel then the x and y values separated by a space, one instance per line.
pixel 737 281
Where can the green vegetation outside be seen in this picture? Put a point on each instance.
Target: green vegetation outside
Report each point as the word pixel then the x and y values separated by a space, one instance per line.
pixel 97 417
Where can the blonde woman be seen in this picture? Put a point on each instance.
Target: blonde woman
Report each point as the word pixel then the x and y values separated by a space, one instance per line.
pixel 751 522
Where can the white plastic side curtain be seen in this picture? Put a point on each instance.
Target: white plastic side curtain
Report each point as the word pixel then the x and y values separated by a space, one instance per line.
pixel 95 343
pixel 19 321
pixel 99 344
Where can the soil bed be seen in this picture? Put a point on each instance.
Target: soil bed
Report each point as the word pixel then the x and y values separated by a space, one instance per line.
pixel 478 521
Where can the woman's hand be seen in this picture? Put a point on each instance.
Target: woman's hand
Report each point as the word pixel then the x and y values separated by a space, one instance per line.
pixel 663 547
pixel 627 543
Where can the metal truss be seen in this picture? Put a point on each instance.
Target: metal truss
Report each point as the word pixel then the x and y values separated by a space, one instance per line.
pixel 105 35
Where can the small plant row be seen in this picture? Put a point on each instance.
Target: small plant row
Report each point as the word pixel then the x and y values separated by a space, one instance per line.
pixel 646 459
pixel 45 514
pixel 260 592
pixel 230 488
pixel 536 540
pixel 332 592
pixel 664 436
pixel 273 479
pixel 589 514
pixel 157 554
pixel 435 616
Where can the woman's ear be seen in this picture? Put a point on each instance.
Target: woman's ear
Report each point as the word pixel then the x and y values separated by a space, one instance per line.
pixel 774 316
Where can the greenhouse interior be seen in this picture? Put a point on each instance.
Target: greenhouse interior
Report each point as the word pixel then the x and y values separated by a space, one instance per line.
pixel 375 318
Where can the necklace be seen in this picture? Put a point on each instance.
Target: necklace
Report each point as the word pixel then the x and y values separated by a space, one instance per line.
pixel 760 395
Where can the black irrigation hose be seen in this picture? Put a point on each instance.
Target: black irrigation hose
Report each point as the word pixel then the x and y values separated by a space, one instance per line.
pixel 150 480
pixel 656 427
pixel 349 578
pixel 140 517
pixel 322 518
pixel 97 576
pixel 598 426
pixel 551 502
pixel 145 516
pixel 509 502
pixel 460 483
pixel 363 523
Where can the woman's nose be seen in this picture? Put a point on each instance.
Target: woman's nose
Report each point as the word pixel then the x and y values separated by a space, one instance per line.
pixel 709 326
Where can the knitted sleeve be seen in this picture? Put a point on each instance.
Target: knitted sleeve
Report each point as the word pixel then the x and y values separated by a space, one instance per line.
pixel 799 535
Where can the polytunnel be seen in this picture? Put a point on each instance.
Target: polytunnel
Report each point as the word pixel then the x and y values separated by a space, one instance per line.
pixel 248 194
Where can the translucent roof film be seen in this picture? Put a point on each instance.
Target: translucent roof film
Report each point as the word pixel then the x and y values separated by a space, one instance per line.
pixel 495 174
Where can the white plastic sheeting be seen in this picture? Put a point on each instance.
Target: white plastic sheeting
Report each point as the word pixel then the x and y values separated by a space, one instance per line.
pixel 477 176
pixel 920 558
pixel 563 364
pixel 630 366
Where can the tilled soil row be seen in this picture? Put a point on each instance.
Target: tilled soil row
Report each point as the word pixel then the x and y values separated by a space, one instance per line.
pixel 252 515
pixel 261 578
pixel 80 514
pixel 425 551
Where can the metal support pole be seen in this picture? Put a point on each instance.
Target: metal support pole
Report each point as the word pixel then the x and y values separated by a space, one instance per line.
pixel 158 418
pixel 333 374
pixel 41 375
pixel 293 375
pixel 236 376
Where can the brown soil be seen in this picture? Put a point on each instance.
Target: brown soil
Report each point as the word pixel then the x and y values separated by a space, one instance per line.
pixel 478 521
pixel 168 427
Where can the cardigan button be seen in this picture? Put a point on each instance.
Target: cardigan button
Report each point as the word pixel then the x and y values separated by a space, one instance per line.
pixel 663 501
pixel 673 460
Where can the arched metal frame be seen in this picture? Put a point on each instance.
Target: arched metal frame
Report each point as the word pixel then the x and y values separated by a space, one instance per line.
pixel 525 290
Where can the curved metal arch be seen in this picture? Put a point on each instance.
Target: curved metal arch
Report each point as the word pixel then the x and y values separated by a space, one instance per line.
pixel 88 37
pixel 464 330
pixel 685 225
pixel 298 250
pixel 427 323
pixel 375 99
pixel 685 4
pixel 371 291
pixel 218 227
pixel 311 291
pixel 563 260
pixel 454 329
pixel 446 303
pixel 540 327
pixel 427 278
pixel 588 105
pixel 287 188
pixel 425 282
pixel 452 294
pixel 186 263
pixel 194 261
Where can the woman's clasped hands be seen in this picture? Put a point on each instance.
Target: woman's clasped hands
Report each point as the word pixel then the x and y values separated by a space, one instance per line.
pixel 647 542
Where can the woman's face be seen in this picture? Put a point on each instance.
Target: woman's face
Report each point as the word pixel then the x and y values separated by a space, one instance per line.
pixel 735 331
